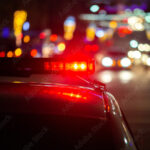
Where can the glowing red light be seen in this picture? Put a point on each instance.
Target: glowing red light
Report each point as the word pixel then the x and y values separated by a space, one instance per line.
pixel 47 66
pixel 2 54
pixel 57 66
pixel 87 47
pixel 42 35
pixel 95 48
pixel 53 38
pixel 33 52
pixel 21 35
pixel 70 66
pixel 64 93
pixel 128 30
pixel 123 31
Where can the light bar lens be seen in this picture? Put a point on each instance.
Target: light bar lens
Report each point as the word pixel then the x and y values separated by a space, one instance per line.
pixel 81 66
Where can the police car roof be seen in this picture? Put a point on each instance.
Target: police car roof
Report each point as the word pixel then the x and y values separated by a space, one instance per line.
pixel 51 98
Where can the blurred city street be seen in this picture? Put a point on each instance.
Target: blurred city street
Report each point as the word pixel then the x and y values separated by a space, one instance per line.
pixel 114 35
pixel 132 91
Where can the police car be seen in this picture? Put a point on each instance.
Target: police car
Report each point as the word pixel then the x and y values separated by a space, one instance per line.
pixel 71 112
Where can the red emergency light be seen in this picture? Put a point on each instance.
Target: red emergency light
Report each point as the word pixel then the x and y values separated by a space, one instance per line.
pixel 71 66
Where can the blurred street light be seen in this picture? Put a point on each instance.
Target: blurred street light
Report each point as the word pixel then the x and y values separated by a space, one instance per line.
pixel 99 32
pixel 69 28
pixel 26 39
pixel 144 47
pixel 26 26
pixel 19 19
pixel 148 61
pixel 148 34
pixel 18 52
pixel 90 32
pixel 113 24
pixel 33 52
pixel 134 54
pixel 53 38
pixel 10 54
pixel 94 8
pixel 133 43
pixel 61 47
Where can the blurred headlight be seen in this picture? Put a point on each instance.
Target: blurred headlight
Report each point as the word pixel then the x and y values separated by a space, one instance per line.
pixel 125 62
pixel 107 62
pixel 148 61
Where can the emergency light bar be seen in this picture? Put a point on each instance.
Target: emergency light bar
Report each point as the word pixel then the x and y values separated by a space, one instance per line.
pixel 46 65
pixel 71 66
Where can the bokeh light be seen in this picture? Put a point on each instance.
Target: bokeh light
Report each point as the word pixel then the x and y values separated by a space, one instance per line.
pixel 107 62
pixel 42 35
pixel 94 8
pixel 53 38
pixel 33 52
pixel 61 47
pixel 2 54
pixel 99 32
pixel 5 32
pixel 26 39
pixel 18 52
pixel 69 27
pixel 133 43
pixel 26 26
pixel 113 24
pixel 125 76
pixel 125 62
pixel 10 54
pixel 148 61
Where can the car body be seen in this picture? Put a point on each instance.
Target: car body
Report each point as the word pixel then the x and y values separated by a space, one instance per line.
pixel 68 115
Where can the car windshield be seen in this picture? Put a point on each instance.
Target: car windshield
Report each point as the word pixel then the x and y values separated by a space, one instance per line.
pixel 38 38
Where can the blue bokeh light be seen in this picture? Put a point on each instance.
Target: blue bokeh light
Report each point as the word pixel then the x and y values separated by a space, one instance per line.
pixel 26 26
pixel 5 32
